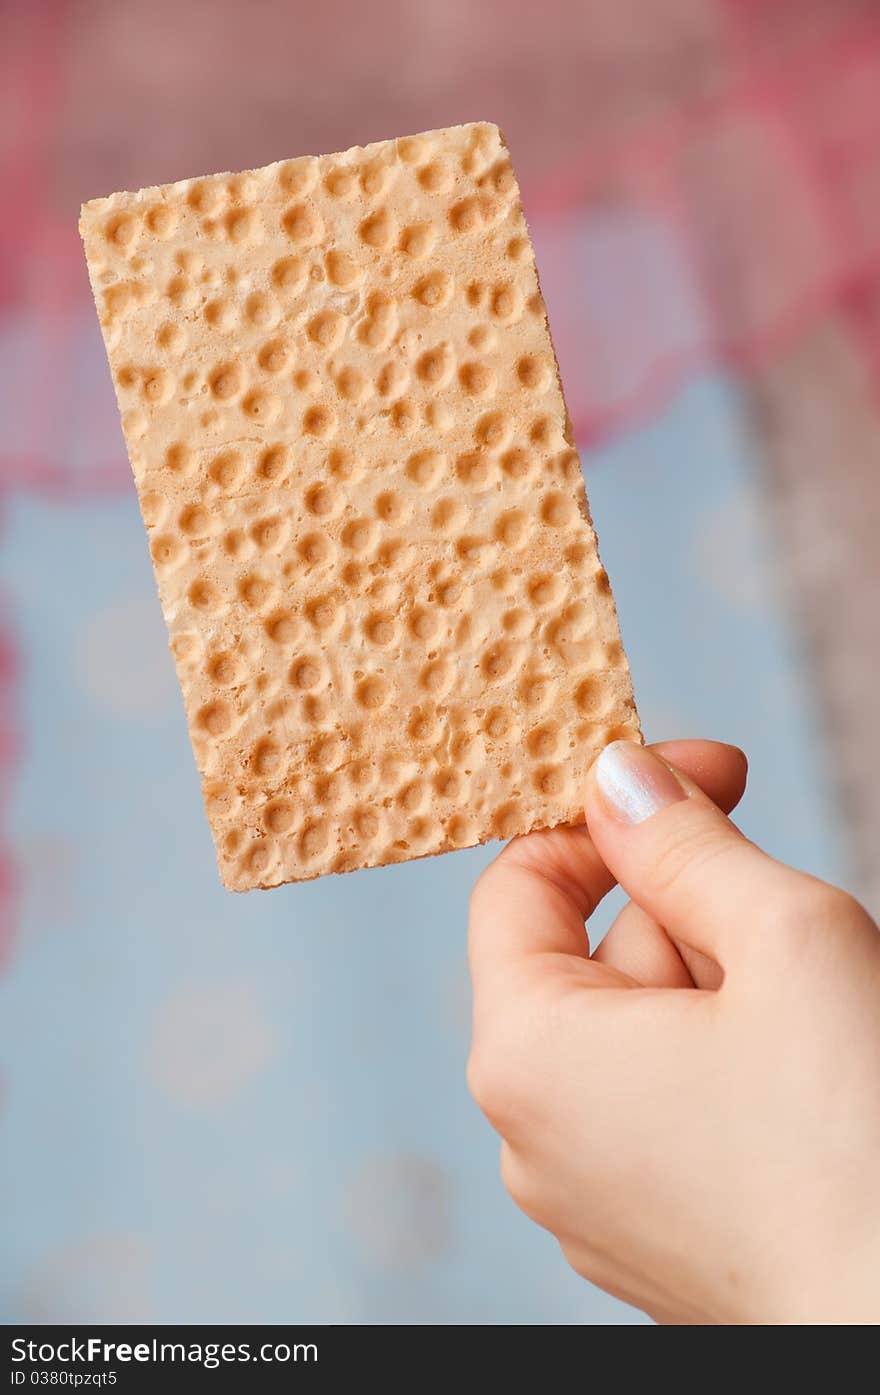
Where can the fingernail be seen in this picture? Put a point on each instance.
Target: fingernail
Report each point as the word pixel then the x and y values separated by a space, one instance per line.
pixel 634 783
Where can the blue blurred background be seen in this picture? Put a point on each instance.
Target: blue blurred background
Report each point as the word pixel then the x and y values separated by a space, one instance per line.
pixel 253 1109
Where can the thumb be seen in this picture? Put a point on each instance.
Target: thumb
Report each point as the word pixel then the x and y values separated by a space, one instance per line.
pixel 674 852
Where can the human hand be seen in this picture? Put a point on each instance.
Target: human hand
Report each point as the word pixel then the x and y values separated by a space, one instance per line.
pixel 710 1154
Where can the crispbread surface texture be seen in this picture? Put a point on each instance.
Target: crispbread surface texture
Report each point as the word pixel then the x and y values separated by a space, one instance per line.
pixel 365 511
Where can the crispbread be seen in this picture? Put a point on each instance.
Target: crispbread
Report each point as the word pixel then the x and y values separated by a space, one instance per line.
pixel 366 515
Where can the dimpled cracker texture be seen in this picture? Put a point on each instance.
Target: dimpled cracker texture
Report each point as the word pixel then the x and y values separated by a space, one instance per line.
pixel 366 515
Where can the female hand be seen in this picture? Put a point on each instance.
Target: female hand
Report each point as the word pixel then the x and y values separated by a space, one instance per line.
pixel 693 1110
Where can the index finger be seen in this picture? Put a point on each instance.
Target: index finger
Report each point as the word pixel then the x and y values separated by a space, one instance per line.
pixel 535 898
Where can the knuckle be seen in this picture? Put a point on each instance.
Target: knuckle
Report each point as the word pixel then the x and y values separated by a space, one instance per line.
pixel 478 892
pixel 482 902
pixel 680 861
pixel 513 1178
pixel 485 1080
pixel 811 908
pixel 524 1187
pixel 496 1085
pixel 480 1077
pixel 578 1258
pixel 835 906
pixel 483 888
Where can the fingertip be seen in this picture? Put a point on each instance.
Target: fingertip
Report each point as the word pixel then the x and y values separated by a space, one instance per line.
pixel 698 752
pixel 719 768
pixel 629 783
pixel 716 769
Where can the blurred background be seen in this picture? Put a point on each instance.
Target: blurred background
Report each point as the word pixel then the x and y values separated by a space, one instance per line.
pixel 217 1108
